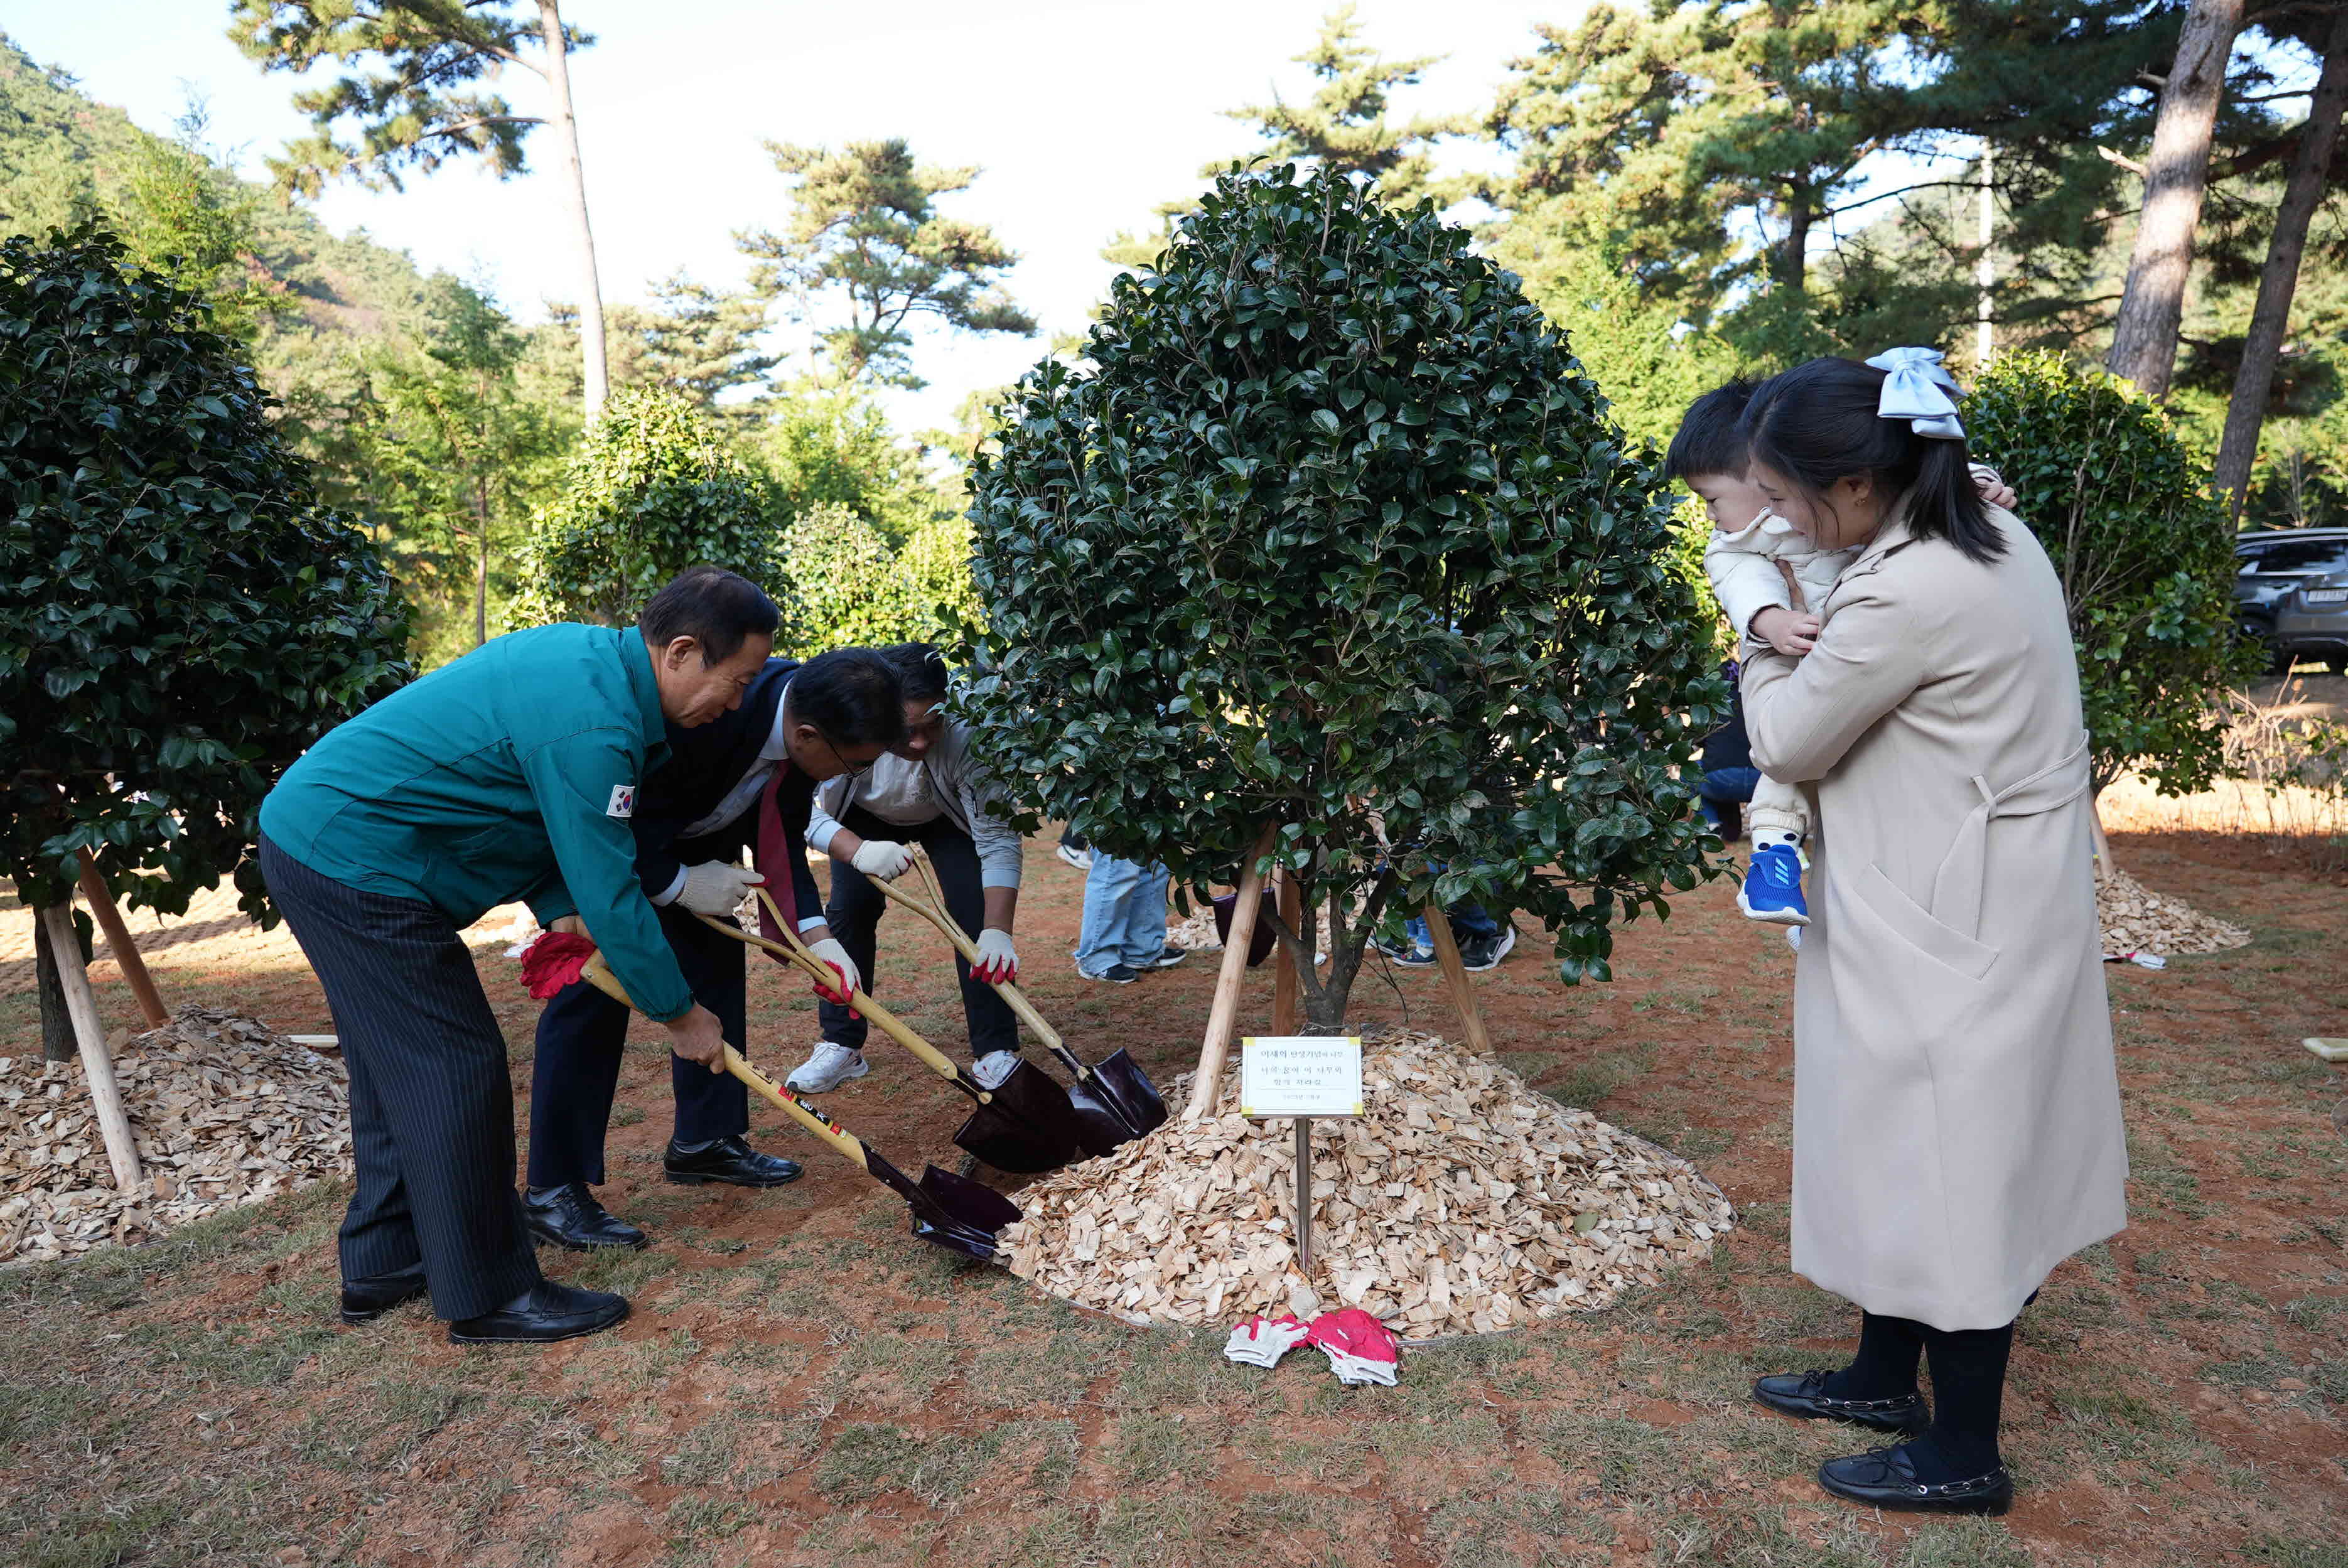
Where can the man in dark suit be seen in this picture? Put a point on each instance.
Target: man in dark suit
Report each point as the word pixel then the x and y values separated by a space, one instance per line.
pixel 746 779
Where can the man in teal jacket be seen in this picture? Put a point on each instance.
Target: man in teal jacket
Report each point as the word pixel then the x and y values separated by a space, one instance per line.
pixel 510 774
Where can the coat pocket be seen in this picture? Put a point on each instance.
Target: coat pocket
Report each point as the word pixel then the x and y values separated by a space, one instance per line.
pixel 1914 925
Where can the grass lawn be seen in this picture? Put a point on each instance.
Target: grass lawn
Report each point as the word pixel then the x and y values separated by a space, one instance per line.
pixel 802 1383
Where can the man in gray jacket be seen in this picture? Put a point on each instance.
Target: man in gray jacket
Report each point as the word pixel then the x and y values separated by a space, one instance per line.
pixel 927 790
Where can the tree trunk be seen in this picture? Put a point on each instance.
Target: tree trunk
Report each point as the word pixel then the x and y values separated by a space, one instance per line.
pixel 1985 268
pixel 56 1024
pixel 2143 336
pixel 1793 264
pixel 566 131
pixel 2270 318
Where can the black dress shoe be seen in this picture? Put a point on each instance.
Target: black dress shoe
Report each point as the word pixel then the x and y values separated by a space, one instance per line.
pixel 1886 1478
pixel 571 1218
pixel 364 1300
pixel 1804 1394
pixel 730 1160
pixel 542 1314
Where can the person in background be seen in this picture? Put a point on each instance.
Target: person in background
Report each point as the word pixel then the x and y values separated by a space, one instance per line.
pixel 1726 759
pixel 1123 935
pixel 1482 941
pixel 746 780
pixel 927 789
pixel 510 774
pixel 1074 851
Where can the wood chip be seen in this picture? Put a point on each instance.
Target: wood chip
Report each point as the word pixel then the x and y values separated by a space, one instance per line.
pixel 223 1112
pixel 1462 1202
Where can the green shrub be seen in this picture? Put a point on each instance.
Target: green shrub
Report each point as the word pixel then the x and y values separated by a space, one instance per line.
pixel 654 488
pixel 2147 560
pixel 848 588
pixel 1332 531
pixel 182 616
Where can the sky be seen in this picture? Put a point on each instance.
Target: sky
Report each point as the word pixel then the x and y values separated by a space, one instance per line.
pixel 1084 114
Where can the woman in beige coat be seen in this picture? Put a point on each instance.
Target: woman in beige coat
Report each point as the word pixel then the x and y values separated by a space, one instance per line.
pixel 1956 1113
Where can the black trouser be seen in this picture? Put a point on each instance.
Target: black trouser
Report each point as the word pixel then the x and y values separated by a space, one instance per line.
pixel 432 1130
pixel 854 915
pixel 581 1037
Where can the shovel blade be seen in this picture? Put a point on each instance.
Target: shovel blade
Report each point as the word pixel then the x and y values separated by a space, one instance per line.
pixel 1101 1125
pixel 1136 1099
pixel 949 1210
pixel 973 1203
pixel 1029 1127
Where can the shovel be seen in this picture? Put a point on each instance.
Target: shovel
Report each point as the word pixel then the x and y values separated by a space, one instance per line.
pixel 1024 1125
pixel 1114 1103
pixel 949 1210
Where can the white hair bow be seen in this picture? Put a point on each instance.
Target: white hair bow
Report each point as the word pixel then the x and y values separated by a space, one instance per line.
pixel 1913 382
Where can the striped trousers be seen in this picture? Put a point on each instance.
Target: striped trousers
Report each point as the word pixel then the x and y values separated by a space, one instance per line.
pixel 432 1123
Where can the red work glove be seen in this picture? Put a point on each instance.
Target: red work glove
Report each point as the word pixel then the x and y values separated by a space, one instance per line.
pixel 1262 1341
pixel 832 953
pixel 555 960
pixel 1360 1349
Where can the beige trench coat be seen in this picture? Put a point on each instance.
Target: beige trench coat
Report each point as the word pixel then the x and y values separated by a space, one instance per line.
pixel 1956 1111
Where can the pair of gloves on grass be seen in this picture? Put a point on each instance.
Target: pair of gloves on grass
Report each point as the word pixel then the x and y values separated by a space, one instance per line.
pixel 1360 1349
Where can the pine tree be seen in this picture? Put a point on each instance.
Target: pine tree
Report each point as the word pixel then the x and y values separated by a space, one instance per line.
pixel 865 232
pixel 414 66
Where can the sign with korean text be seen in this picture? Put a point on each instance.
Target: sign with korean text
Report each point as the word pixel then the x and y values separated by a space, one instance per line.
pixel 1301 1075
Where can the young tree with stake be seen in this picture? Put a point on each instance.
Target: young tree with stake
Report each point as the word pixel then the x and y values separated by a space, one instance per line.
pixel 1330 532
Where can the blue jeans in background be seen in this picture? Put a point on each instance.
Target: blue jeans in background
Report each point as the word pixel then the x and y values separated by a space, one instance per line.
pixel 1726 784
pixel 1125 915
pixel 1468 922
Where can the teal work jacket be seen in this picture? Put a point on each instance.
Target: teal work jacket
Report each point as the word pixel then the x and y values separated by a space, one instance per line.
pixel 510 774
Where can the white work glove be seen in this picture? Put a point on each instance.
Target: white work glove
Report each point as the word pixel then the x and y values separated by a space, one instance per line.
pixel 998 961
pixel 713 888
pixel 1262 1341
pixel 832 953
pixel 879 857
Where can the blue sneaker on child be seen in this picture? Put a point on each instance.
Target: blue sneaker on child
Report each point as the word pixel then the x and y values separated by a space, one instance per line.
pixel 1773 887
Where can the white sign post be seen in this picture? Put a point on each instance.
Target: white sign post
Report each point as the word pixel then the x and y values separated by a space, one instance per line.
pixel 1302 1076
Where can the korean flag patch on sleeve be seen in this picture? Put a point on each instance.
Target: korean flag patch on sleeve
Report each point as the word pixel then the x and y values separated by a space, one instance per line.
pixel 624 801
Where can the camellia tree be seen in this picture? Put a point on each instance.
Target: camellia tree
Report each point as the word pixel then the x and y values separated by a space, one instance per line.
pixel 182 616
pixel 1330 532
pixel 654 488
pixel 2147 564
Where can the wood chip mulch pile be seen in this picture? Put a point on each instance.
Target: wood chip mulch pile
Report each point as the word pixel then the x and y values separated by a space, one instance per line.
pixel 223 1112
pixel 2138 920
pixel 1461 1201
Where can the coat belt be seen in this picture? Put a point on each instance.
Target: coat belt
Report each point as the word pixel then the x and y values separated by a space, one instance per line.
pixel 1957 887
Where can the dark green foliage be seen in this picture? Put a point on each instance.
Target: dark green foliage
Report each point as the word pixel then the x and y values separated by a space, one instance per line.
pixel 182 616
pixel 2124 508
pixel 655 487
pixel 1334 531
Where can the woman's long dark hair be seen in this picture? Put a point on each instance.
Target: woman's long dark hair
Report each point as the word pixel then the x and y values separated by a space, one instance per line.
pixel 1817 423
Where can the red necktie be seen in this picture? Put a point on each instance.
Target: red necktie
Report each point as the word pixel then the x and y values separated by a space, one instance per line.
pixel 772 856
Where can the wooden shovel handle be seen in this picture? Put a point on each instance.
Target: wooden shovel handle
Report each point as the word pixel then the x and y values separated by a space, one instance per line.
pixel 795 951
pixel 848 1143
pixel 931 909
pixel 1224 1015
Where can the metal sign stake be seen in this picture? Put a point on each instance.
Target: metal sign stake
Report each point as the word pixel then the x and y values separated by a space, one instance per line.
pixel 1304 1194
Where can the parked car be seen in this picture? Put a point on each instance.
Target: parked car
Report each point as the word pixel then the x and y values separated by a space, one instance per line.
pixel 2292 592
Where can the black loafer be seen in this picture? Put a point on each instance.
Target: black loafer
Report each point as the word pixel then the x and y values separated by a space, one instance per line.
pixel 569 1217
pixel 730 1160
pixel 542 1314
pixel 1804 1394
pixel 1886 1478
pixel 364 1300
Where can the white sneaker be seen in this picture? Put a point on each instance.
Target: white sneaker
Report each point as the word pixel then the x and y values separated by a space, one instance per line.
pixel 995 1066
pixel 827 1070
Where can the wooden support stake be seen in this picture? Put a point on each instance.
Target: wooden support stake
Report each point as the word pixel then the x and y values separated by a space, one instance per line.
pixel 1455 975
pixel 1285 986
pixel 117 941
pixel 1223 1017
pixel 105 1094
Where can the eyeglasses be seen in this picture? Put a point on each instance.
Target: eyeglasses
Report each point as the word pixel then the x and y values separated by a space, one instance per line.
pixel 850 771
